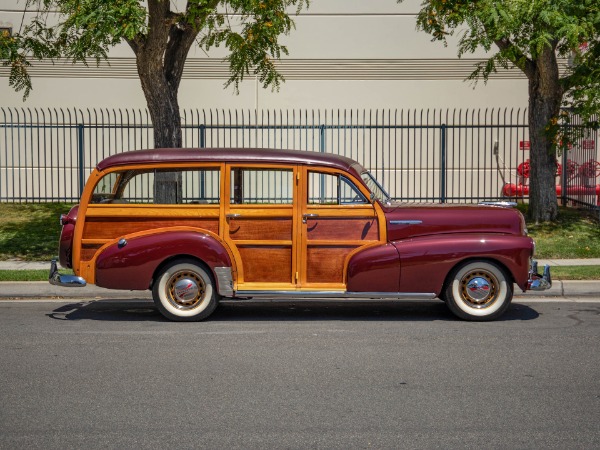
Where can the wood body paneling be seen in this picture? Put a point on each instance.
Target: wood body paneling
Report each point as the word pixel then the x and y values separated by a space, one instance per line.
pixel 113 227
pixel 267 264
pixel 273 246
pixel 325 264
pixel 349 229
pixel 261 229
pixel 107 223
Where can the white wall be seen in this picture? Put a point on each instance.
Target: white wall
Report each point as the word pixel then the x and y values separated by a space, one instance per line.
pixel 343 54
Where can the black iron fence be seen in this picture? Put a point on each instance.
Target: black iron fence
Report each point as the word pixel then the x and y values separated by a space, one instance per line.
pixel 417 155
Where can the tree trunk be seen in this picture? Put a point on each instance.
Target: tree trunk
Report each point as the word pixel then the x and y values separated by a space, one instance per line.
pixel 161 98
pixel 545 97
pixel 160 58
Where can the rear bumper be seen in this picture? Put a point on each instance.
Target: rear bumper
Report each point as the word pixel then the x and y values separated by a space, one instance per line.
pixel 536 281
pixel 57 279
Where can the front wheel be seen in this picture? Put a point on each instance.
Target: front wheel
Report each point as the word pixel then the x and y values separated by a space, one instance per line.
pixel 184 291
pixel 478 290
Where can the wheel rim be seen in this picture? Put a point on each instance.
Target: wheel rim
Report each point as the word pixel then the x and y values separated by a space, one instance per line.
pixel 185 290
pixel 479 289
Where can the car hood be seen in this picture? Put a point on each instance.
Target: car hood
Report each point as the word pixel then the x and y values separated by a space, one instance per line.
pixel 410 220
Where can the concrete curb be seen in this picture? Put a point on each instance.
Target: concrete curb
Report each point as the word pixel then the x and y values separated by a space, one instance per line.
pixel 44 290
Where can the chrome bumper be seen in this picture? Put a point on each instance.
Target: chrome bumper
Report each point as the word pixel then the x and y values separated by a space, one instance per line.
pixel 57 279
pixel 539 282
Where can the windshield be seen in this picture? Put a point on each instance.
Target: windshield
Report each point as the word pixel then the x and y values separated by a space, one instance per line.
pixel 375 188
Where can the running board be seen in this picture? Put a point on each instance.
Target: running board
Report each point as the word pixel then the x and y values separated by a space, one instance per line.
pixel 340 295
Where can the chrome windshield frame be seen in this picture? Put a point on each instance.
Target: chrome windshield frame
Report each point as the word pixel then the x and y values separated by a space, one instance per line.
pixel 368 178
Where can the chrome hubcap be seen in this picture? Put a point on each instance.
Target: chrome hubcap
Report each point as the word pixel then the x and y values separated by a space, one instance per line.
pixel 479 289
pixel 185 290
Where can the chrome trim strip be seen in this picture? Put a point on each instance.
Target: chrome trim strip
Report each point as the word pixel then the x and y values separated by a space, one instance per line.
pixel 337 295
pixel 57 279
pixel 406 222
pixel 503 204
pixel 224 281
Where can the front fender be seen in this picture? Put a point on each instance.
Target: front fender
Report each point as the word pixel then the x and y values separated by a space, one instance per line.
pixel 426 262
pixel 132 265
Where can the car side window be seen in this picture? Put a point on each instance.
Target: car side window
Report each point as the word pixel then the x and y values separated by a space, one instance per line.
pixel 332 189
pixel 195 186
pixel 261 186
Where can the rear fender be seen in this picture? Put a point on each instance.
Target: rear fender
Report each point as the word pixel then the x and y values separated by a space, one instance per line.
pixel 131 261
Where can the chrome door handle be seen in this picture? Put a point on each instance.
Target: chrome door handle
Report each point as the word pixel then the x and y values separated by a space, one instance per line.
pixel 233 216
pixel 305 217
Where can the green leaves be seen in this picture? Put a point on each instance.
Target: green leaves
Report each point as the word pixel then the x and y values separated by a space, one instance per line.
pixel 87 29
pixel 522 32
pixel 253 40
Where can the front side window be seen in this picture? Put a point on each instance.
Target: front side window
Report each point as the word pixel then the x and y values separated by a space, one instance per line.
pixel 261 186
pixel 332 189
pixel 194 186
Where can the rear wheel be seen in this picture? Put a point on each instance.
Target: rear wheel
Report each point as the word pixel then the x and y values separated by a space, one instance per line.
pixel 184 291
pixel 478 290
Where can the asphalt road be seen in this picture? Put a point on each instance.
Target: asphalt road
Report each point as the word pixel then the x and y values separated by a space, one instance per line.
pixel 111 374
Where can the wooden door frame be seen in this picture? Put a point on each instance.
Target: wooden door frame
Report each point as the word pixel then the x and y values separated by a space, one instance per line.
pixel 366 210
pixel 261 211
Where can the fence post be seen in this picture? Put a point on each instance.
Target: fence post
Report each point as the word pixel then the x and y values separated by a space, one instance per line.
pixel 322 192
pixel 565 173
pixel 202 130
pixel 80 158
pixel 443 129
pixel 322 138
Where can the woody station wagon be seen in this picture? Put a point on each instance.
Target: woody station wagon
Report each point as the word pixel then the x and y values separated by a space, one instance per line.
pixel 254 223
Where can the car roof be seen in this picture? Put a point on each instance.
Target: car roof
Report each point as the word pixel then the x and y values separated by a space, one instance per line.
pixel 229 155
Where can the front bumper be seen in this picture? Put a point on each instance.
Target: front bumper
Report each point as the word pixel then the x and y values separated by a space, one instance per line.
pixel 536 281
pixel 57 279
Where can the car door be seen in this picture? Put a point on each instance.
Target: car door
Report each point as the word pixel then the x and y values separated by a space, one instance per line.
pixel 337 220
pixel 261 225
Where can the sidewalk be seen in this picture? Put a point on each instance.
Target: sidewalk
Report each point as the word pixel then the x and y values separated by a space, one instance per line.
pixel 44 290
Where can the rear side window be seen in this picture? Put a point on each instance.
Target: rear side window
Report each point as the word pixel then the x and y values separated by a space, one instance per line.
pixel 262 186
pixel 194 186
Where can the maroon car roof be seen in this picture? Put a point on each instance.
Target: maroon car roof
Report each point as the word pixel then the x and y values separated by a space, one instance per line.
pixel 245 155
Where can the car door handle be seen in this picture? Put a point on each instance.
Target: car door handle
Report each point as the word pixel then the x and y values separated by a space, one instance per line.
pixel 233 216
pixel 305 217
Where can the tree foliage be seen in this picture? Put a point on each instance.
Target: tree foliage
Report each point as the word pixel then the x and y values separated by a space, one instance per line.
pixel 161 34
pixel 84 30
pixel 533 35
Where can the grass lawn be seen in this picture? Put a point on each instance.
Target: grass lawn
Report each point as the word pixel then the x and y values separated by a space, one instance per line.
pixel 30 232
pixel 575 235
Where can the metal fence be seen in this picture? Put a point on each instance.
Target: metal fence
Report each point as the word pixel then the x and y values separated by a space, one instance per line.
pixel 417 155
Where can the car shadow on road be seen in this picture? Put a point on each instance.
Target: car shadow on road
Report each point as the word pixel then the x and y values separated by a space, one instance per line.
pixel 125 310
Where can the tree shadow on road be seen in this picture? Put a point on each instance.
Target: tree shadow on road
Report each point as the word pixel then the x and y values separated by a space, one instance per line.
pixel 410 311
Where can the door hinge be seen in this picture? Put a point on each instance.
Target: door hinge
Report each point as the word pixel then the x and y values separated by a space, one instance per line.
pixel 297 177
pixel 296 277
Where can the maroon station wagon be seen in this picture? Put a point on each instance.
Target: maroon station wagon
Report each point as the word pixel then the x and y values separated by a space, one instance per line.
pixel 198 225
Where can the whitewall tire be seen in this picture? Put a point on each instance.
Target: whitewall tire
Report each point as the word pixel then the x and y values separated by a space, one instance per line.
pixel 478 290
pixel 184 291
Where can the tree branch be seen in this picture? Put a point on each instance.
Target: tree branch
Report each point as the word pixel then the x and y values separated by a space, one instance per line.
pixel 518 58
